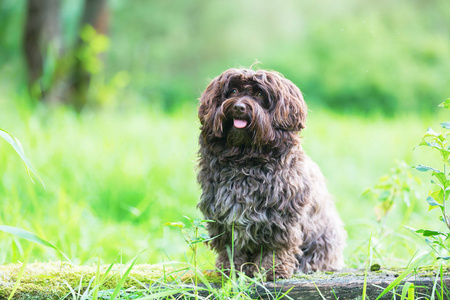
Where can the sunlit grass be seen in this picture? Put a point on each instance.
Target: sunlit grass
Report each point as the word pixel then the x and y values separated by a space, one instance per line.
pixel 113 177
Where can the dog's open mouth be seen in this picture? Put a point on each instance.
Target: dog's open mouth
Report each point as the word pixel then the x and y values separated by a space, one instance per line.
pixel 239 123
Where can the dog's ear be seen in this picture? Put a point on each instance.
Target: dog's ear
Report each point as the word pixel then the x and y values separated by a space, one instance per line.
pixel 212 95
pixel 290 109
pixel 207 101
pixel 210 100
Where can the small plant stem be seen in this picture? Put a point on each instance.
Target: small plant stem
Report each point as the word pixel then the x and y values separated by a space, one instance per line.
pixel 447 223
pixel 195 263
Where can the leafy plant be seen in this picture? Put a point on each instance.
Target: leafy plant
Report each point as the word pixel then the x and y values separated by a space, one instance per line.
pixel 397 186
pixel 438 197
pixel 192 237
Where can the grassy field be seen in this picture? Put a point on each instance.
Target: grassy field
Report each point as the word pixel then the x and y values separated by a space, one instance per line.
pixel 114 177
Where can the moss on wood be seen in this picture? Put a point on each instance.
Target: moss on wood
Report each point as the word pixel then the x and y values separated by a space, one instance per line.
pixel 52 280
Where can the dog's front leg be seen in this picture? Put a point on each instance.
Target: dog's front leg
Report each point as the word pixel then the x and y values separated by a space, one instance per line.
pixel 223 262
pixel 277 265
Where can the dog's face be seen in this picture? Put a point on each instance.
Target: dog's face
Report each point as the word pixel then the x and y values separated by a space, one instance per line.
pixel 246 107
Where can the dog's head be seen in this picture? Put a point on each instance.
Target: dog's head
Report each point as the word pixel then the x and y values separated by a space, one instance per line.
pixel 248 107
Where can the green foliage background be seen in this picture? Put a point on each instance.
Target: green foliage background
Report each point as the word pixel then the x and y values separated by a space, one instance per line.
pixel 372 74
pixel 363 56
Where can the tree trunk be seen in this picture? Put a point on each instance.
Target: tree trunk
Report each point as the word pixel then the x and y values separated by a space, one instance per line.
pixel 42 30
pixel 95 14
pixel 70 82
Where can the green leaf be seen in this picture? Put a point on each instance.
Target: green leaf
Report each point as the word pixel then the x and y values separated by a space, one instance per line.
pixel 204 236
pixel 445 125
pixel 426 232
pixel 435 145
pixel 442 219
pixel 437 195
pixel 208 221
pixel 422 168
pixel 445 104
pixel 433 202
pixel 410 228
pixel 444 257
pixel 175 224
pixel 385 195
pixel 442 178
pixel 431 132
pixel 29 236
pixel 18 147
pixel 368 194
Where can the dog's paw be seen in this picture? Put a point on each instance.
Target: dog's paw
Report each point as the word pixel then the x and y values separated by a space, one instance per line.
pixel 271 276
pixel 249 269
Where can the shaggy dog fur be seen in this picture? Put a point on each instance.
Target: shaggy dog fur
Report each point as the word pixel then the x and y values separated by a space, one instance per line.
pixel 259 186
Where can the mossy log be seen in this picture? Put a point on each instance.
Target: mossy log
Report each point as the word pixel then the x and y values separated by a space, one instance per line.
pixel 349 284
pixel 56 280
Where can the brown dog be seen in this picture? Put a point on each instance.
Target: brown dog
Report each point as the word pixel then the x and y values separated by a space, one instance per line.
pixel 266 196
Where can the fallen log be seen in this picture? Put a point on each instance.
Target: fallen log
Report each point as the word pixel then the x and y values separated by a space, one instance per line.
pixel 350 284
pixel 57 280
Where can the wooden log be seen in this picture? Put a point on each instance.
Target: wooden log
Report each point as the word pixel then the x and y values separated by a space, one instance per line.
pixel 52 281
pixel 350 283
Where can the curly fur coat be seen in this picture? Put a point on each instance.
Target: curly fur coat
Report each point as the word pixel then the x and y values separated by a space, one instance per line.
pixel 264 194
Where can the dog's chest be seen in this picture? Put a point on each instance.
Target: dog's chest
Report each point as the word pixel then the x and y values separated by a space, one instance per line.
pixel 245 196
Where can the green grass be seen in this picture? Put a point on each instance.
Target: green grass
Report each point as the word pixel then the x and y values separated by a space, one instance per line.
pixel 114 176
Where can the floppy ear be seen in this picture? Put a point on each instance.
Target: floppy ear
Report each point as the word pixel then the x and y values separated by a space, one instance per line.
pixel 290 109
pixel 208 100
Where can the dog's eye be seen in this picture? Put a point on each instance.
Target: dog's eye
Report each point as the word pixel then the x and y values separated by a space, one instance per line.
pixel 260 95
pixel 232 92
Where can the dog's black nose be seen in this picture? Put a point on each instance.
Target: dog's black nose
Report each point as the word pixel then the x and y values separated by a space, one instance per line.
pixel 239 108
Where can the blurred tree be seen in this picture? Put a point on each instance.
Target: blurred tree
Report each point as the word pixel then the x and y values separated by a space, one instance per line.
pixel 41 29
pixel 95 15
pixel 68 79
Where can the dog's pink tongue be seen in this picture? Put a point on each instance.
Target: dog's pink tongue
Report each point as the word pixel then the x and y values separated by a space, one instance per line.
pixel 240 123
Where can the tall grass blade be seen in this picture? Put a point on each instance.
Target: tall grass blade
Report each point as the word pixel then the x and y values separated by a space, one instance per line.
pixel 320 293
pixel 367 269
pixel 19 149
pixel 101 280
pixel 405 291
pixel 86 290
pixel 71 291
pixel 29 236
pixel 442 282
pixel 405 273
pixel 123 279
pixel 433 291
pixel 411 289
pixel 285 294
pixel 79 288
pixel 19 276
pixel 97 280
pixel 164 294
